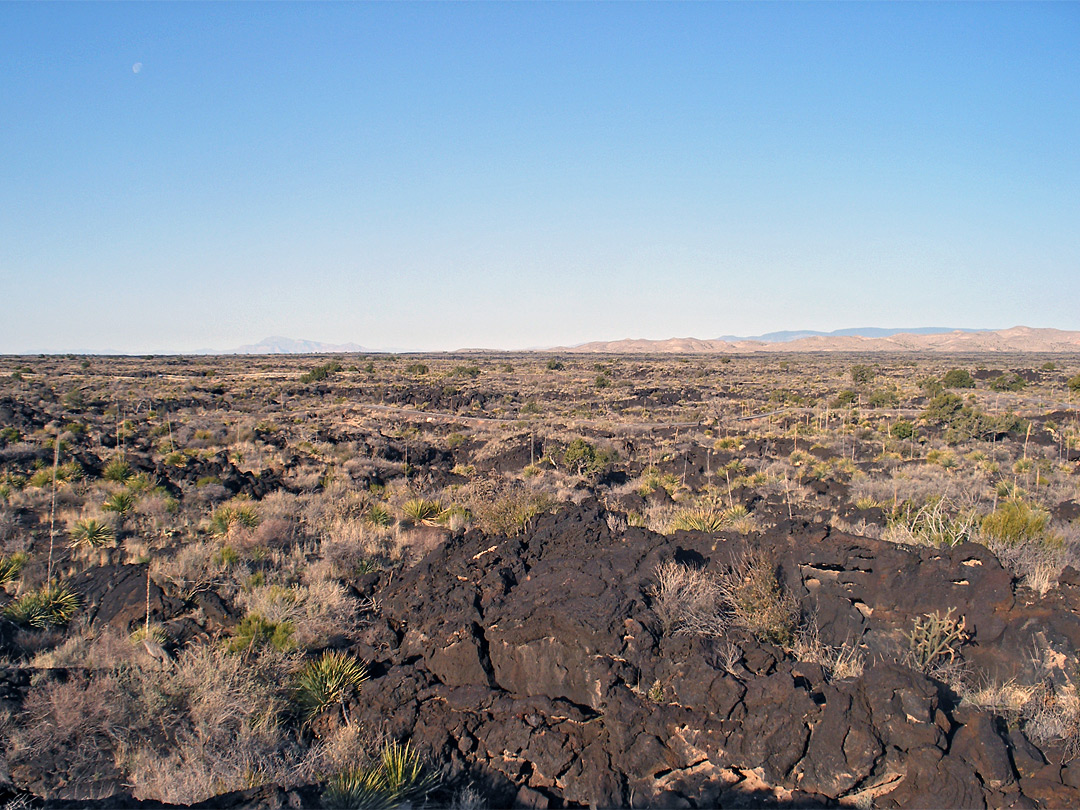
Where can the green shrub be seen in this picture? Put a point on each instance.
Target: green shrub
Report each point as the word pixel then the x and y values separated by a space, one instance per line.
pixel 416 368
pixel 958 378
pixel 1015 522
pixel 863 375
pixel 845 398
pixel 582 458
pixel 52 605
pixel 759 601
pixel 1007 382
pixel 902 429
pixel 1074 383
pixel 883 398
pixel 511 513
pixel 555 365
pixel 466 371
pixel 254 631
pixel 327 681
pixel 321 372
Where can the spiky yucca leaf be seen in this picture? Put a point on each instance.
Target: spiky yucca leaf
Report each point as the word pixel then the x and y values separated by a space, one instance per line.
pixel 53 605
pixel 90 533
pixel 377 515
pixel 421 510
pixel 326 681
pixel 702 521
pixel 399 777
pixel 122 503
pixel 11 566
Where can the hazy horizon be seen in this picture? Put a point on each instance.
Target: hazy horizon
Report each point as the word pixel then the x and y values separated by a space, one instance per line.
pixel 178 177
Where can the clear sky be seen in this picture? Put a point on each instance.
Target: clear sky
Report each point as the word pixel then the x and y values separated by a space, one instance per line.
pixel 445 175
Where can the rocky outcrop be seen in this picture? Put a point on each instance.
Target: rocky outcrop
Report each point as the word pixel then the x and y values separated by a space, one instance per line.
pixel 537 666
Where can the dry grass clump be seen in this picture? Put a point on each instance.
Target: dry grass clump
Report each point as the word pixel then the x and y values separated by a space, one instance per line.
pixel 688 600
pixel 746 595
pixel 78 724
pixel 222 713
pixel 315 612
pixel 839 663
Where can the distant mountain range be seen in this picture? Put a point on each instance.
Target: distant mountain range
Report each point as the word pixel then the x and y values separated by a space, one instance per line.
pixel 283 345
pixel 1017 339
pixel 864 331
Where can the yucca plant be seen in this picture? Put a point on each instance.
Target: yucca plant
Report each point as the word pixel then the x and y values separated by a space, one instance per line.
pixel 140 482
pixel 11 566
pixel 121 503
pixel 328 681
pixel 399 777
pixel 377 515
pixel 699 521
pixel 421 510
pixel 52 605
pixel 226 518
pixel 117 470
pixel 90 533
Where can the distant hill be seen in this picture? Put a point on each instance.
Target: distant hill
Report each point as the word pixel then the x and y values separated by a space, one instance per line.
pixel 863 331
pixel 284 345
pixel 1017 339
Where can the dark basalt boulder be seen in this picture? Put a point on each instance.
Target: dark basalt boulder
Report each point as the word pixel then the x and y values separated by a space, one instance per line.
pixel 536 666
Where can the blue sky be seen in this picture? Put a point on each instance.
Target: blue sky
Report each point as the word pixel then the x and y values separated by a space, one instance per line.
pixel 436 176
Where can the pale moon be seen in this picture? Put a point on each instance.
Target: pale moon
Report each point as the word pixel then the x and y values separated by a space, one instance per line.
pixel 136 67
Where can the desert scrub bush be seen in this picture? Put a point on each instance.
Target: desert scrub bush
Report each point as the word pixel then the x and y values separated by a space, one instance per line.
pixel 1052 717
pixel 582 458
pixel 862 374
pixel 759 603
pixel 747 594
pixel 1015 522
pixel 1007 382
pixel 957 378
pixel 314 612
pixel 511 512
pixel 321 372
pixel 399 778
pixel 938 522
pixel 52 605
pixel 74 725
pixel 328 681
pixel 934 642
pixel 254 631
pixel 687 599
pixel 226 520
pixel 221 713
pixel 902 429
pixel 91 533
pixel 839 663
